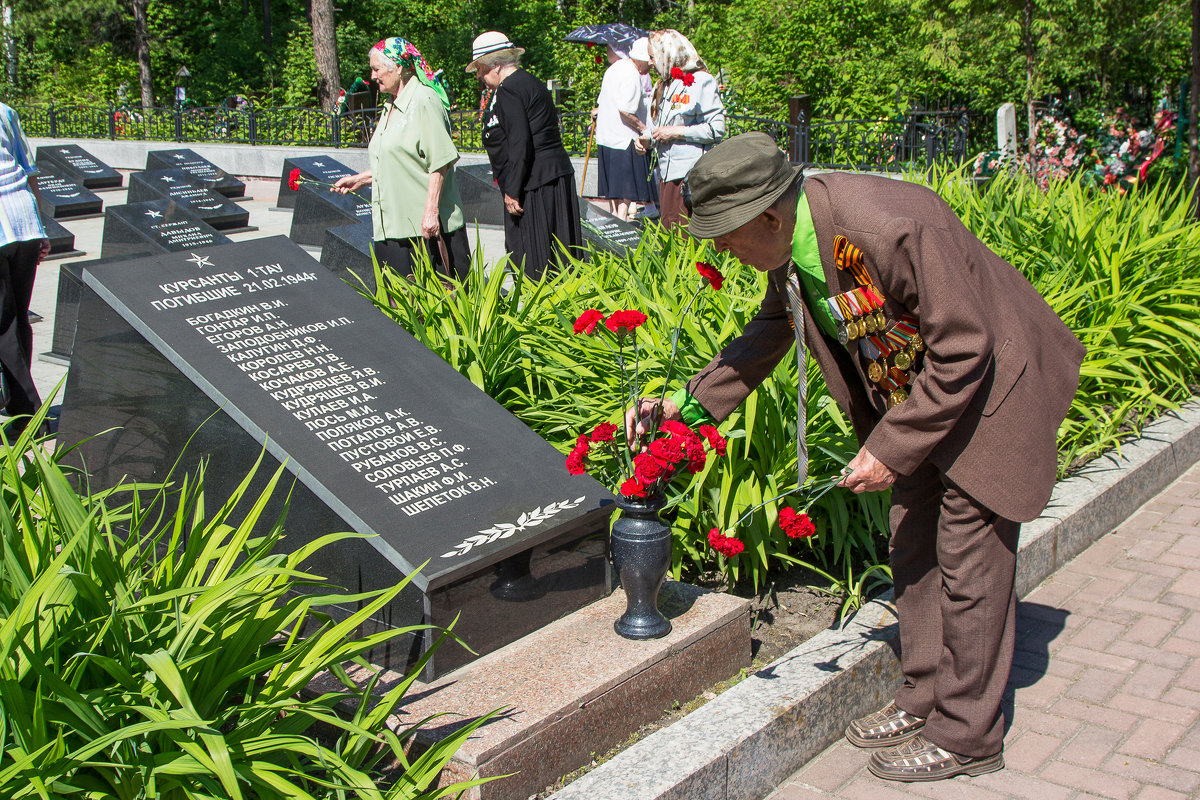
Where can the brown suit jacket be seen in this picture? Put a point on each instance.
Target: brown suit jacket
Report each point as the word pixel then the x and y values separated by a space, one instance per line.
pixel 1000 370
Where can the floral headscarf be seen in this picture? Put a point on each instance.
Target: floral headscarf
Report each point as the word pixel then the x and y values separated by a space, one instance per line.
pixel 401 51
pixel 670 50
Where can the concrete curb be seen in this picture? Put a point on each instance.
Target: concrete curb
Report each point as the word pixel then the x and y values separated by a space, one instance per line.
pixel 747 741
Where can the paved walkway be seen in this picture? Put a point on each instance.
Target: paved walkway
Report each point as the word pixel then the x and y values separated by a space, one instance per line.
pixel 1104 699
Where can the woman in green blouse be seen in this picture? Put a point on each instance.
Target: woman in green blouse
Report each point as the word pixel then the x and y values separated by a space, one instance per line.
pixel 414 198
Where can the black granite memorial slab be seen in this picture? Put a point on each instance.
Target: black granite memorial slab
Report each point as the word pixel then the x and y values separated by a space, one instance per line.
pixel 60 197
pixel 483 202
pixel 62 241
pixel 155 226
pixel 254 346
pixel 316 168
pixel 346 252
pixel 175 184
pixel 204 173
pixel 75 164
pixel 318 209
pixel 606 231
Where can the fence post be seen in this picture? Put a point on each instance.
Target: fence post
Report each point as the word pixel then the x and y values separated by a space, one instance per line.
pixel 337 130
pixel 799 117
pixel 53 121
pixel 178 123
pixel 252 116
pixel 112 122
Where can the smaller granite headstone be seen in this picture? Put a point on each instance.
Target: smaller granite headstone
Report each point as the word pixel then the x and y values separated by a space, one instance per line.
pixel 347 249
pixel 318 210
pixel 60 197
pixel 315 168
pixel 153 227
pixel 62 241
pixel 482 201
pixel 204 173
pixel 606 231
pixel 74 163
pixel 176 184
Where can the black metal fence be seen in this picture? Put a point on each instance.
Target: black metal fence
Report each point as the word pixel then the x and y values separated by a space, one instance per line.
pixel 918 140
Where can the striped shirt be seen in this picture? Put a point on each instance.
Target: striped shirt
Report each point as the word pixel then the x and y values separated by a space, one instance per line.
pixel 19 220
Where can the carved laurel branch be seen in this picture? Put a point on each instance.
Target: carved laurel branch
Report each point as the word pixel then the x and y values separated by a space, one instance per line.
pixel 503 530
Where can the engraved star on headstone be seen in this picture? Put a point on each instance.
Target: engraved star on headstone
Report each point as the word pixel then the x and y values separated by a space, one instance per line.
pixel 152 214
pixel 179 157
pixel 64 150
pixel 200 261
pixel 167 179
pixel 318 163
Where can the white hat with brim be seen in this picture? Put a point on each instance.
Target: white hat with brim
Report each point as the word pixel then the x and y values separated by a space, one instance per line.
pixel 640 49
pixel 488 43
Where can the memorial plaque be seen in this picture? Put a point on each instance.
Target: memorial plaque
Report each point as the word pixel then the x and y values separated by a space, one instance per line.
pixel 62 241
pixel 316 168
pixel 60 197
pixel 74 163
pixel 347 249
pixel 606 231
pixel 318 210
pixel 156 226
pixel 383 437
pixel 66 306
pixel 204 173
pixel 175 184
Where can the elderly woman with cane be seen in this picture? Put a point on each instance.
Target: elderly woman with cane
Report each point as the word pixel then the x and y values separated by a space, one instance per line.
pixel 414 198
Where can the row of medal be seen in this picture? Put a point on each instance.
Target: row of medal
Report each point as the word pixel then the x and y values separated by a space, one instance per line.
pixel 891 356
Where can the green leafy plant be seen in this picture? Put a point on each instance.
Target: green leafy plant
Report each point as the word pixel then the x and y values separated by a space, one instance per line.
pixel 152 654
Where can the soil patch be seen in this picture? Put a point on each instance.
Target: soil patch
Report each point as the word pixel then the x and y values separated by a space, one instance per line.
pixel 783 616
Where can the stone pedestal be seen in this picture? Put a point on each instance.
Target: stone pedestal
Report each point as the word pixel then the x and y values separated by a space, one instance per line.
pixel 575 689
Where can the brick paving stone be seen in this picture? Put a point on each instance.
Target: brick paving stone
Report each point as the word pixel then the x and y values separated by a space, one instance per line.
pixel 871 788
pixel 794 791
pixel 1090 712
pixel 1092 746
pixel 1187 564
pixel 1184 601
pixel 1154 568
pixel 1097 634
pixel 1156 611
pixel 1147 549
pixel 1096 685
pixel 829 774
pixel 1144 706
pixel 1103 660
pixel 1090 780
pixel 1190 629
pixel 1009 782
pixel 1043 692
pixel 1152 772
pixel 1152 739
pixel 1159 793
pixel 1150 680
pixel 1149 655
pixel 1190 679
pixel 1185 698
pixel 1183 757
pixel 1043 722
pixel 1028 751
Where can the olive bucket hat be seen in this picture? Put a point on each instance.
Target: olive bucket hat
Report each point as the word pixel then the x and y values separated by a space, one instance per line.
pixel 735 182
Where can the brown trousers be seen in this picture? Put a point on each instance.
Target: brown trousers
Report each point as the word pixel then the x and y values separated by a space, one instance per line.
pixel 953 563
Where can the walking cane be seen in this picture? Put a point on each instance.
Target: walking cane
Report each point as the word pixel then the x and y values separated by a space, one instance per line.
pixel 587 157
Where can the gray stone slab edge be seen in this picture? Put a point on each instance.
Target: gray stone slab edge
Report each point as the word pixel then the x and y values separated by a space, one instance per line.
pixel 749 739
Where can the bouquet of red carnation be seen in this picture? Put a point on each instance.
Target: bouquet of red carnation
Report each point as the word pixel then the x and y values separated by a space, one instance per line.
pixel 296 180
pixel 645 467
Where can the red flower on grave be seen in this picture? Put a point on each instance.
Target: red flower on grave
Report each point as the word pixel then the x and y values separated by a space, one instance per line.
pixel 710 274
pixel 622 322
pixel 796 526
pixel 294 180
pixel 715 440
pixel 586 323
pixel 604 432
pixel 575 460
pixel 727 546
pixel 647 468
pixel 633 488
pixel 669 450
pixel 675 427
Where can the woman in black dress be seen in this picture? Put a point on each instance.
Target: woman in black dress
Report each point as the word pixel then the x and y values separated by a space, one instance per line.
pixel 523 142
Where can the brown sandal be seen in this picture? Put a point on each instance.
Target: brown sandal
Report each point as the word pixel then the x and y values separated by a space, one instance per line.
pixel 921 760
pixel 887 727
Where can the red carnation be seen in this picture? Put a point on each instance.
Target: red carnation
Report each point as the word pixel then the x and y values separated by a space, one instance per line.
pixel 727 546
pixel 647 469
pixel 676 427
pixel 575 464
pixel 710 274
pixel 796 526
pixel 633 488
pixel 586 323
pixel 715 440
pixel 676 73
pixel 669 450
pixel 604 432
pixel 622 322
pixel 688 79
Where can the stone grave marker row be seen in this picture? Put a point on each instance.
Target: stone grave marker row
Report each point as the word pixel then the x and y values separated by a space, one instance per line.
pixel 204 173
pixel 60 197
pixel 176 184
pixel 75 164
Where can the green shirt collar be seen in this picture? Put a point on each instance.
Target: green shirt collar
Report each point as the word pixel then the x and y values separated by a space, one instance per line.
pixel 807 258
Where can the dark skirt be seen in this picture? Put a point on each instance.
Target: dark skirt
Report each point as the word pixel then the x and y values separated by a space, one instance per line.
pixel 549 224
pixel 626 175
pixel 398 254
pixel 672 210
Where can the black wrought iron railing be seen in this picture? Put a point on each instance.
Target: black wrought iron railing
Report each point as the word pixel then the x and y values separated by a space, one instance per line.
pixel 916 141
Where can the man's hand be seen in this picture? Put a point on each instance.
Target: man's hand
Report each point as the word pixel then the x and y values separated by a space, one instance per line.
pixel 667 133
pixel 646 416
pixel 868 474
pixel 43 251
pixel 513 205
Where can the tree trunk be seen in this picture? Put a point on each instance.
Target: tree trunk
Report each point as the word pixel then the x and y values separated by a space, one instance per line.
pixel 1194 106
pixel 325 53
pixel 266 5
pixel 1027 35
pixel 141 40
pixel 10 45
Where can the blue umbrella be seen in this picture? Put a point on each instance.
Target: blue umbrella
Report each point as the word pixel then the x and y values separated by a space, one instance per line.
pixel 617 34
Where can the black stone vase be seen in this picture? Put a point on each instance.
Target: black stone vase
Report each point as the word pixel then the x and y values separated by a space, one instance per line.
pixel 641 552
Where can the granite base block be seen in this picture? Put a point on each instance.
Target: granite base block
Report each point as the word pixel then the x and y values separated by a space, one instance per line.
pixel 575 689
pixel 749 739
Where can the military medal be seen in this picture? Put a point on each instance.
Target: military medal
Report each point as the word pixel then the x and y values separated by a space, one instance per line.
pixel 875 372
pixel 902 360
pixel 897 397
